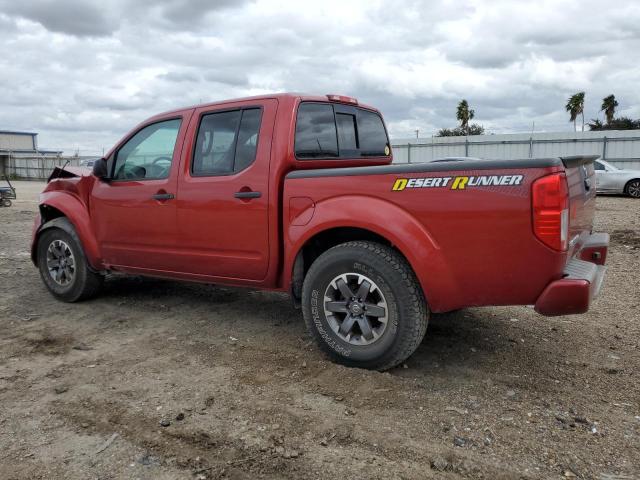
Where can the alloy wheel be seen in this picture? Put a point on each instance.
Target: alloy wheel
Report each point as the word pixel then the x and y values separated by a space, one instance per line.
pixel 355 308
pixel 61 263
pixel 634 189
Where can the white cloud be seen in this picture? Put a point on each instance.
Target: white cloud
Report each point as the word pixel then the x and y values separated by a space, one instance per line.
pixel 83 73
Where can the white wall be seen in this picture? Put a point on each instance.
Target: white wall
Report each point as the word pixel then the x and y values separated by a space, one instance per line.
pixel 16 141
pixel 621 148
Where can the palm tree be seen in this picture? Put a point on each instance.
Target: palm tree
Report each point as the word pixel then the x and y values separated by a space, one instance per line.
pixel 464 114
pixel 609 105
pixel 575 107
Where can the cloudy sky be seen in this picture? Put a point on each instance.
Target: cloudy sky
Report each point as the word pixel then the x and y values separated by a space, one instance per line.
pixel 83 72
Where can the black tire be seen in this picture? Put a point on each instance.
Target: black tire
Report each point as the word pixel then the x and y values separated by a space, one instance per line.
pixel 6 202
pixel 83 283
pixel 407 312
pixel 632 188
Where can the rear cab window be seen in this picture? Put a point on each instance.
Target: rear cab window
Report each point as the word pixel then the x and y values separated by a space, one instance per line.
pixel 333 131
pixel 373 137
pixel 316 134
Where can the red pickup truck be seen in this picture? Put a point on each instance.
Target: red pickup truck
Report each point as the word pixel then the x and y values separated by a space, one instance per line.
pixel 298 194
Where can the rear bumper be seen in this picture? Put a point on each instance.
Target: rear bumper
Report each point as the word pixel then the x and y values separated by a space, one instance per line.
pixel 581 282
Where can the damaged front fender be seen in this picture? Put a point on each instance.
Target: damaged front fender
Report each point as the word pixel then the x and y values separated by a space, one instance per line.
pixel 66 196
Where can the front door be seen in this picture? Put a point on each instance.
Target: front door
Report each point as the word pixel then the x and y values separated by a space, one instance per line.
pixel 223 192
pixel 134 214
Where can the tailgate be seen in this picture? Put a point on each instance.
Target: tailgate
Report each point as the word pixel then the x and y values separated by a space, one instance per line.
pixel 582 197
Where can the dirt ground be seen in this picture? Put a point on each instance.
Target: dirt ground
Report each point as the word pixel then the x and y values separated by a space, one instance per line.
pixel 161 380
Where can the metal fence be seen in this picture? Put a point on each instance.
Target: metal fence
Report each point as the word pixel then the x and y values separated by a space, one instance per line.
pixel 621 148
pixel 618 147
pixel 37 167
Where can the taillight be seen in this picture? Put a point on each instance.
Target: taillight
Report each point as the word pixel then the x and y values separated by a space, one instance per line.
pixel 550 202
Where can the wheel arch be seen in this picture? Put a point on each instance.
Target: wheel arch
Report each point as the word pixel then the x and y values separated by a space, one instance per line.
pixel 322 241
pixel 626 185
pixel 335 222
pixel 67 212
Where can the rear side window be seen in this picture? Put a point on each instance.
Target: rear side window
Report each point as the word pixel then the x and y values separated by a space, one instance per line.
pixel 227 142
pixel 324 130
pixel 247 143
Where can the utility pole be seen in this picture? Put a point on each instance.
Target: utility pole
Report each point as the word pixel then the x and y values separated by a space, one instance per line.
pixel 417 132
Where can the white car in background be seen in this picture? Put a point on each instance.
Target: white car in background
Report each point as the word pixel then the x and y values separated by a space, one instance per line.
pixel 610 179
pixel 88 162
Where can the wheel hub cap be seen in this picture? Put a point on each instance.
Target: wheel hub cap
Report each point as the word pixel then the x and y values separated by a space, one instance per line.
pixel 355 308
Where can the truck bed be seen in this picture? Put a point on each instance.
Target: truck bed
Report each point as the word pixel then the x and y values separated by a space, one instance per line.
pixel 469 222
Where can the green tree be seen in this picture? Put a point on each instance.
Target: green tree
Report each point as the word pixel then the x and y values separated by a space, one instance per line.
pixel 609 105
pixel 472 129
pixel 464 114
pixel 620 123
pixel 575 107
pixel 625 123
pixel 595 124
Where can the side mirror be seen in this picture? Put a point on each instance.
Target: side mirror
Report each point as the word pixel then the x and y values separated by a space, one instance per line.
pixel 100 169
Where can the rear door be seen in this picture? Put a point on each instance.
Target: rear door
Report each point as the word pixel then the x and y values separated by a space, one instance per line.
pixel 223 192
pixel 134 214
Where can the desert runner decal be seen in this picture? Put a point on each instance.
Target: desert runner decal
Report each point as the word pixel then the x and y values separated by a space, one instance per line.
pixel 458 183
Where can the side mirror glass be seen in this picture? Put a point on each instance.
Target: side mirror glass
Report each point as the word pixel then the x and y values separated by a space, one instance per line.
pixel 100 169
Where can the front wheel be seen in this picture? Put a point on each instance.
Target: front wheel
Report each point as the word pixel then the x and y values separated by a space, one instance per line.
pixel 6 202
pixel 63 266
pixel 633 188
pixel 364 306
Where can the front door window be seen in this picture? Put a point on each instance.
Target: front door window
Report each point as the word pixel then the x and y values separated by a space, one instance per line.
pixel 149 153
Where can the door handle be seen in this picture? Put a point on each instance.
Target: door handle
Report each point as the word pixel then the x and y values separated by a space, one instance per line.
pixel 163 196
pixel 248 194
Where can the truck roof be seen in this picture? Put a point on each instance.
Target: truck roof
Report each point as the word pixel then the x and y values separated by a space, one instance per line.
pixel 288 95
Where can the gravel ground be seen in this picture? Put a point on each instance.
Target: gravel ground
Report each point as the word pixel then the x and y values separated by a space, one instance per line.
pixel 161 380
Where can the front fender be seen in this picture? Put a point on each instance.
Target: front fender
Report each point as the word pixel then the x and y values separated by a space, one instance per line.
pixel 388 220
pixel 77 214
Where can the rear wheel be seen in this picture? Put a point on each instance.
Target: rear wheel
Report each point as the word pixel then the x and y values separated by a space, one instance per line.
pixel 363 305
pixel 633 188
pixel 63 266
